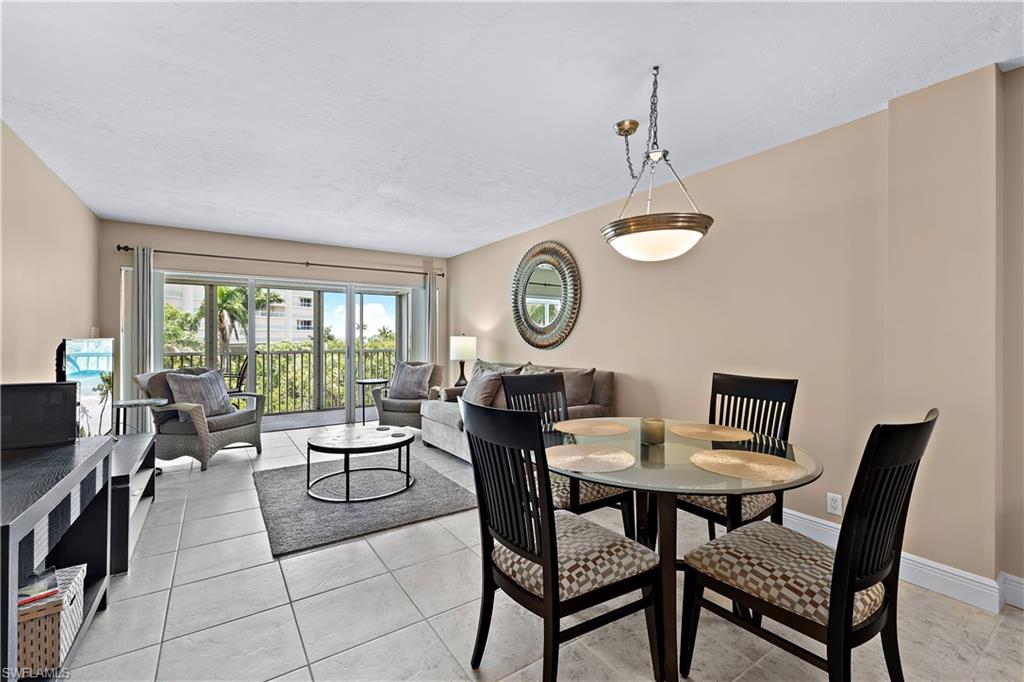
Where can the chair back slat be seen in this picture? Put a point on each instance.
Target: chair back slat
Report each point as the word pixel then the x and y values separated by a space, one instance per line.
pixel 511 475
pixel 540 393
pixel 759 404
pixel 871 537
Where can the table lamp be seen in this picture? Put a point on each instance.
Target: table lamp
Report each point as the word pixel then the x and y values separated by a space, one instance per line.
pixel 462 348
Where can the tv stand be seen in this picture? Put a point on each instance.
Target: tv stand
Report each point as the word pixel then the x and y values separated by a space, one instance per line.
pixel 133 487
pixel 56 512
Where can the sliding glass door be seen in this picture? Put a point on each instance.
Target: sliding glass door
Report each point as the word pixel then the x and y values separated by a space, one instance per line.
pixel 334 354
pixel 300 345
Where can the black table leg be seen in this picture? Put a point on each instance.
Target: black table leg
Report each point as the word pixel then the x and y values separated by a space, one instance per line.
pixel 647 519
pixel 667 568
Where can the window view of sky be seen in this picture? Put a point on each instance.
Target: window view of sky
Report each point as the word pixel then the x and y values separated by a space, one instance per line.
pixel 378 311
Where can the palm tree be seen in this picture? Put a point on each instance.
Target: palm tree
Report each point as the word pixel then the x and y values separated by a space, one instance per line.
pixel 233 310
pixel 104 388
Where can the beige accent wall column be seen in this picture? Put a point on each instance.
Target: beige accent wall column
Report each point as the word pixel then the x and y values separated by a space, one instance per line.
pixel 1011 472
pixel 50 264
pixel 941 317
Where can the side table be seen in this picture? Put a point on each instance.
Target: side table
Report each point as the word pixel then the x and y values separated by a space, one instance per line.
pixel 121 407
pixel 363 383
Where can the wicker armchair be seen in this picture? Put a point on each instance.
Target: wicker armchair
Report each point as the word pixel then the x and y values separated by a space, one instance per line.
pixel 396 412
pixel 202 437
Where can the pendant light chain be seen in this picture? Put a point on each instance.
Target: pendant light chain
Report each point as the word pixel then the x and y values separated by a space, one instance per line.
pixel 629 161
pixel 652 127
pixel 652 132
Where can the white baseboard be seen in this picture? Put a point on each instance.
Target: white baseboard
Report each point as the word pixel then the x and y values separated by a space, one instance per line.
pixel 985 593
pixel 1011 589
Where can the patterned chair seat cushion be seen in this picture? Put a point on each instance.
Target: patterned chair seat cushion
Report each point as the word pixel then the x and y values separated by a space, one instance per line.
pixel 589 556
pixel 782 567
pixel 750 505
pixel 589 492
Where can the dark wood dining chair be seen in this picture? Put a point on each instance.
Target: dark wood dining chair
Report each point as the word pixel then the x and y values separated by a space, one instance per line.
pixel 842 598
pixel 763 406
pixel 552 562
pixel 545 395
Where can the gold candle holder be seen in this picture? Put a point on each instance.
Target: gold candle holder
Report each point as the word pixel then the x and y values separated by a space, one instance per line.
pixel 652 431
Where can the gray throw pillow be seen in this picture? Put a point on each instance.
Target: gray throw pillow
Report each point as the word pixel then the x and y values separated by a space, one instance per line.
pixel 579 385
pixel 500 401
pixel 206 389
pixel 482 388
pixel 410 382
pixel 530 368
pixel 483 367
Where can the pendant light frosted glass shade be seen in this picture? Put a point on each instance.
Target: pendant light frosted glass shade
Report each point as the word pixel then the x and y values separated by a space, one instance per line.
pixel 656 236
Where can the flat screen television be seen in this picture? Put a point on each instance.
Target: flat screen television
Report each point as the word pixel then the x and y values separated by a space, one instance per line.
pixel 37 415
pixel 90 364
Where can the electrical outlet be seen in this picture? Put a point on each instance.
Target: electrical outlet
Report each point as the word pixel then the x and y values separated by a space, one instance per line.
pixel 834 504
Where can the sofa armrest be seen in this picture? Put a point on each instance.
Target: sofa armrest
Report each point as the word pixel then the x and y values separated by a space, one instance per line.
pixel 452 394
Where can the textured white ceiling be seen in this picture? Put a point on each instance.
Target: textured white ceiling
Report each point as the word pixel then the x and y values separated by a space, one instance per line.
pixel 436 128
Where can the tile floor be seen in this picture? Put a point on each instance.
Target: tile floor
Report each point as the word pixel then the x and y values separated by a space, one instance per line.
pixel 205 600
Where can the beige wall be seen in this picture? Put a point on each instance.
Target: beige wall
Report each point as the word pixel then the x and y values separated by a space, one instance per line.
pixel 1011 471
pixel 806 275
pixel 942 320
pixel 111 261
pixel 49 259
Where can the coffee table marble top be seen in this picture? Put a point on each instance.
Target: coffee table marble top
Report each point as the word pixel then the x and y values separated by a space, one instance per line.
pixel 353 438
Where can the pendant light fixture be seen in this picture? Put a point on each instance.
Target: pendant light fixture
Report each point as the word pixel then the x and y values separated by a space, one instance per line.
pixel 653 236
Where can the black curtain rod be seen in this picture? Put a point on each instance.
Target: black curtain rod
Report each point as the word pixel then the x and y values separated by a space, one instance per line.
pixel 308 264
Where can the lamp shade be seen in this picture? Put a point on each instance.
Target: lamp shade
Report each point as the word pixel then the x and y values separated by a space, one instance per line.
pixel 656 236
pixel 462 347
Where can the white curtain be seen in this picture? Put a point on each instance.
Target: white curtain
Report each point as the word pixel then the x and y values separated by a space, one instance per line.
pixel 140 342
pixel 432 315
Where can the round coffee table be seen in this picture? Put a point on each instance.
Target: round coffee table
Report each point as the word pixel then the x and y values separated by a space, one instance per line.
pixel 359 440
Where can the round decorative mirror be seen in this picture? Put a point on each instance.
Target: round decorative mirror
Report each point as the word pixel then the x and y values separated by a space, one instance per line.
pixel 546 295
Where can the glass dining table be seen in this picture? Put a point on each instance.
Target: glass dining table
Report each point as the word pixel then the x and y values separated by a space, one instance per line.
pixel 691 458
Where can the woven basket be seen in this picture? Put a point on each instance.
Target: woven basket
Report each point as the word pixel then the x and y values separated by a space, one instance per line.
pixel 47 628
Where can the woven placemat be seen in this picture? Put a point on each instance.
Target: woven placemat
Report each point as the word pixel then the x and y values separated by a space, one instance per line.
pixel 591 427
pixel 753 466
pixel 589 458
pixel 711 432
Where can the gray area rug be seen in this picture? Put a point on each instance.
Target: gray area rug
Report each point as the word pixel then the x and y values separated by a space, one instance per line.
pixel 295 521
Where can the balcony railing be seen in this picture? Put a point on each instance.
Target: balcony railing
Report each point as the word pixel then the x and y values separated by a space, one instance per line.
pixel 287 377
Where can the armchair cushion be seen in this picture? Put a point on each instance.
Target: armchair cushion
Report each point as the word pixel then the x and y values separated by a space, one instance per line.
pixel 411 382
pixel 220 422
pixel 206 389
pixel 397 405
pixel 155 385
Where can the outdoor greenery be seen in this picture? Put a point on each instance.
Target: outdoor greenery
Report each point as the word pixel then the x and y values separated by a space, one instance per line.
pixel 285 371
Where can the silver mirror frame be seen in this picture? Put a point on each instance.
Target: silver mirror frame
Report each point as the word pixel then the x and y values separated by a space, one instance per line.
pixel 558 257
